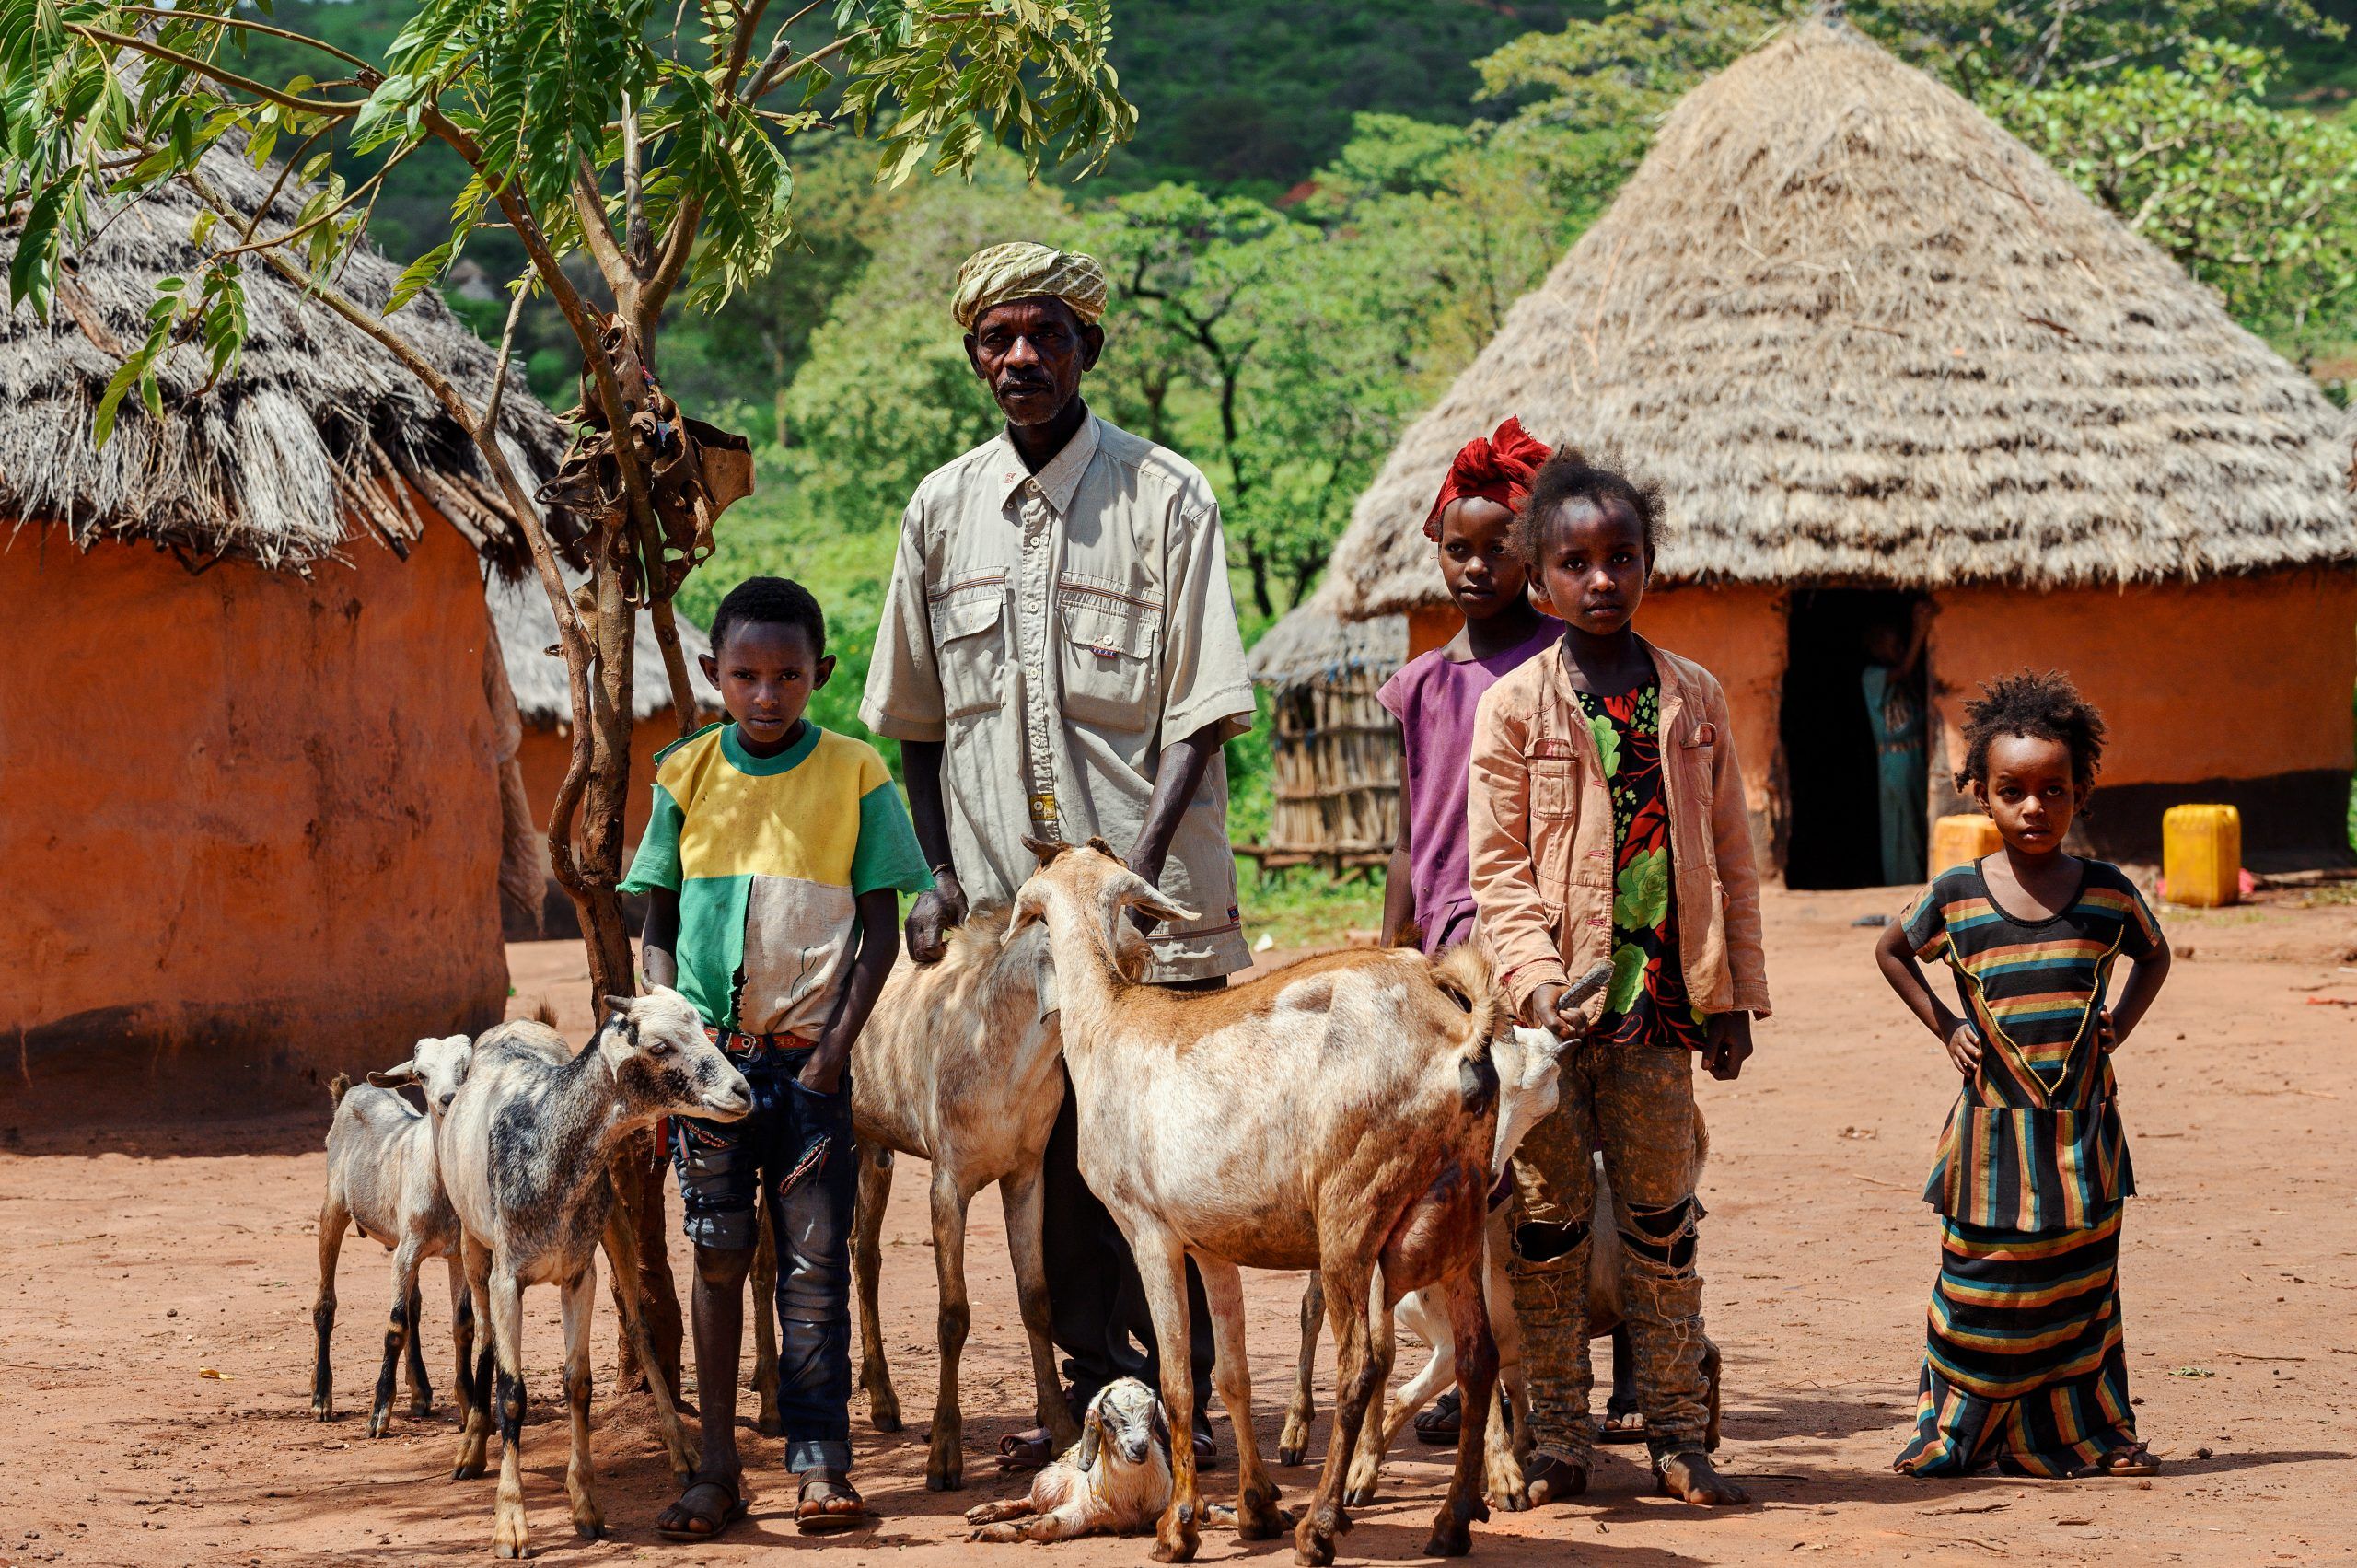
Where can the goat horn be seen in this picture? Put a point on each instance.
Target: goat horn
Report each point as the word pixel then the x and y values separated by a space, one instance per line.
pixel 1046 849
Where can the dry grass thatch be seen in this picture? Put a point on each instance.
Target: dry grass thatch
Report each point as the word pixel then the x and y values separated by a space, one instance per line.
pixel 1862 335
pixel 281 463
pixel 527 627
pixel 1314 642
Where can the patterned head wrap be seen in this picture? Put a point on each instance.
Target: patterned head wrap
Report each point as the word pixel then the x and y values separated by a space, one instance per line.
pixel 1498 468
pixel 1021 269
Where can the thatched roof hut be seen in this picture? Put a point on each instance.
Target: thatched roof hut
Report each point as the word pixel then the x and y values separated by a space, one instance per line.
pixel 1873 348
pixel 1334 750
pixel 263 687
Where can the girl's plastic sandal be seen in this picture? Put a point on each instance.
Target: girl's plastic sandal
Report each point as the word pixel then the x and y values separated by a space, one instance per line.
pixel 2136 1459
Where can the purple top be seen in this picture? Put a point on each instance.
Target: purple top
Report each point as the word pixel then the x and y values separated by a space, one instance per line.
pixel 1434 698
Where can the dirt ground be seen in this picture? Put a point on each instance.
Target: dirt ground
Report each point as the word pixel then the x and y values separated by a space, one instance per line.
pixel 146 1261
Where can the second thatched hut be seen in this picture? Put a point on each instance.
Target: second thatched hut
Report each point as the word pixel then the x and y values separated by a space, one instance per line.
pixel 1875 350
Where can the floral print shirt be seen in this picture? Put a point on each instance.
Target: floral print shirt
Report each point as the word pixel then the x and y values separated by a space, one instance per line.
pixel 1646 1003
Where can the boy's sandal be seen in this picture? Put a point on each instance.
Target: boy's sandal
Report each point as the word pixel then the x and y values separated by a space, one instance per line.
pixel 1622 1426
pixel 811 1515
pixel 2133 1459
pixel 715 1524
pixel 1025 1450
pixel 1440 1425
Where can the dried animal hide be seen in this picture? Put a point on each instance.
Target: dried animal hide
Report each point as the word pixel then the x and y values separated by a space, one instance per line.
pixel 695 471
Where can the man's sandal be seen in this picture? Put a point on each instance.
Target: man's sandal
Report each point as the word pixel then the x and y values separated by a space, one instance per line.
pixel 1621 1426
pixel 1025 1450
pixel 2131 1460
pixel 811 1515
pixel 715 1524
pixel 1440 1425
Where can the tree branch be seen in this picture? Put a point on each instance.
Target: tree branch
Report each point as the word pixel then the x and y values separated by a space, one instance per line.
pixel 367 69
pixel 207 68
pixel 589 206
pixel 637 241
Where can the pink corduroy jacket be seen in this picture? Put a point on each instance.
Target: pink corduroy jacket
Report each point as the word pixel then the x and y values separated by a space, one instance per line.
pixel 1539 825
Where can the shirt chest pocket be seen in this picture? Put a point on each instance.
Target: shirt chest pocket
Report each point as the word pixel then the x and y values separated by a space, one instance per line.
pixel 1554 780
pixel 1698 758
pixel 1108 649
pixel 970 649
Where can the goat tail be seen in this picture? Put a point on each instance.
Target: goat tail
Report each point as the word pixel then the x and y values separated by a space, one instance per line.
pixel 336 1086
pixel 545 1012
pixel 1464 975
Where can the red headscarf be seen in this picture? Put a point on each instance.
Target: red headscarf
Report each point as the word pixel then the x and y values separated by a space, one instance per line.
pixel 1499 469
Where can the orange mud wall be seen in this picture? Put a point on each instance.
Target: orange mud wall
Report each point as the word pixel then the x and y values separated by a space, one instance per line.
pixel 253 824
pixel 547 752
pixel 1737 634
pixel 2235 690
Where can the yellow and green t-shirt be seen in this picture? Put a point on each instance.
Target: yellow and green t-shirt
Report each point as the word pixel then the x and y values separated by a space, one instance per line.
pixel 768 854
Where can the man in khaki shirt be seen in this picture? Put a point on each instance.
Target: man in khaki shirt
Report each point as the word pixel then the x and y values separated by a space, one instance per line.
pixel 1059 657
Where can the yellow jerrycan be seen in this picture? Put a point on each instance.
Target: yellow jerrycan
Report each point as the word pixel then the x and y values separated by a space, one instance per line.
pixel 2202 855
pixel 1961 840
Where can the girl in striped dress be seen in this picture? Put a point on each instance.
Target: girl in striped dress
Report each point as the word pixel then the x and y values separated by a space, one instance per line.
pixel 2024 1367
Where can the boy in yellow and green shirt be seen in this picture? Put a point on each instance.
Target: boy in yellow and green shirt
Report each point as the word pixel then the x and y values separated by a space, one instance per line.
pixel 771 867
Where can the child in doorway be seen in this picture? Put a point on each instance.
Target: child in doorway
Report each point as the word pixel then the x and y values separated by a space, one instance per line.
pixel 2025 1367
pixel 1432 696
pixel 1605 820
pixel 769 868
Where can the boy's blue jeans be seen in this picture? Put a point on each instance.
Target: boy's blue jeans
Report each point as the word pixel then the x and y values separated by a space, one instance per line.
pixel 796 1144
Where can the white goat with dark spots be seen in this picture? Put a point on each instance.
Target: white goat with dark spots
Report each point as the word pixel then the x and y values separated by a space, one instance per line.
pixel 382 1178
pixel 524 1151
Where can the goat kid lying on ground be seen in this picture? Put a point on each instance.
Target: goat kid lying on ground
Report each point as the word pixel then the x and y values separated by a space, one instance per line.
pixel 525 1149
pixel 1115 1480
pixel 959 1068
pixel 382 1178
pixel 1337 1114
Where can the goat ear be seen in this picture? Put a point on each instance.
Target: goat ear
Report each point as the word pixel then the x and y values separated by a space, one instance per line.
pixel 1027 911
pixel 1150 899
pixel 1046 850
pixel 1096 843
pixel 1161 1424
pixel 1092 1437
pixel 620 1004
pixel 396 1077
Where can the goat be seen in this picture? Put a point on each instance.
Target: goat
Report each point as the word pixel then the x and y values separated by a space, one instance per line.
pixel 958 1067
pixel 1114 1481
pixel 382 1178
pixel 1336 1114
pixel 525 1149
pixel 1427 1320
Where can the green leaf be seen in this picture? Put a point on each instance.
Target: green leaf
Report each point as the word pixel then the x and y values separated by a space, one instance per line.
pixel 427 268
pixel 1628 977
pixel 32 272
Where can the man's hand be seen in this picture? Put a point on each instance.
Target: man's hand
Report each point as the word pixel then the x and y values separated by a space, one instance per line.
pixel 1726 1045
pixel 2107 1035
pixel 1545 1014
pixel 1151 870
pixel 823 1073
pixel 931 917
pixel 1964 1049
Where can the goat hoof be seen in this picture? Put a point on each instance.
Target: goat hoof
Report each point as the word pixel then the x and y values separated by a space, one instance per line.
pixel 1165 1552
pixel 1316 1552
pixel 1358 1496
pixel 1455 1541
pixel 769 1424
pixel 884 1412
pixel 949 1481
pixel 420 1407
pixel 589 1529
pixel 1290 1457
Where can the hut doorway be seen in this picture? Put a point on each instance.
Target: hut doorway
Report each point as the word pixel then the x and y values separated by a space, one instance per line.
pixel 1832 779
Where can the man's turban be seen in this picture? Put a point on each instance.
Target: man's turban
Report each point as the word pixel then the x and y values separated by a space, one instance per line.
pixel 1497 468
pixel 1021 269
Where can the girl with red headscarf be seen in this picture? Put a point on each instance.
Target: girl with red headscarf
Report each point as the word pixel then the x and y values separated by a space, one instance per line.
pixel 1434 695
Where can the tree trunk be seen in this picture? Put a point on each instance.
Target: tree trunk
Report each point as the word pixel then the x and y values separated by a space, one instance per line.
pixel 1257 564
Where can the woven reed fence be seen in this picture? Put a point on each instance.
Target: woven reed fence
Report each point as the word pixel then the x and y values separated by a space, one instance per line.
pixel 1335 764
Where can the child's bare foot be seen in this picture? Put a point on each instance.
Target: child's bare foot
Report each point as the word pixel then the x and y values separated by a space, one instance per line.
pixel 1690 1477
pixel 1549 1475
pixel 2134 1459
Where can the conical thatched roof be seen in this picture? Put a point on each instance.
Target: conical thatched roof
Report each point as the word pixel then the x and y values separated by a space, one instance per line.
pixel 527 627
pixel 1315 641
pixel 281 463
pixel 1861 334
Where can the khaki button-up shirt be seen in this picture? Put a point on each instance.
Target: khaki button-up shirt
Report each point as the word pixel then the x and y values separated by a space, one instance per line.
pixel 1055 631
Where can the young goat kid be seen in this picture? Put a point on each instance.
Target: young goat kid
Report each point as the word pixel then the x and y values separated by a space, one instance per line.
pixel 525 1149
pixel 382 1178
pixel 1115 1480
pixel 1338 1114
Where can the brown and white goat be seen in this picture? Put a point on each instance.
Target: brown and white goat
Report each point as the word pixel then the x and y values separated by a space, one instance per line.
pixel 1114 1481
pixel 1337 1114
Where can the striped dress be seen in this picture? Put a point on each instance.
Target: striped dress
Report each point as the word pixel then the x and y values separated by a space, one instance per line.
pixel 2024 1367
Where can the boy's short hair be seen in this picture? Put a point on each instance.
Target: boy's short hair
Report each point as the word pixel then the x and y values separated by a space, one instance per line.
pixel 770 601
pixel 2040 707
pixel 1571 475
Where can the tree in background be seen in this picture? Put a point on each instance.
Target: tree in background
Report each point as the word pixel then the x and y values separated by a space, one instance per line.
pixel 587 130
